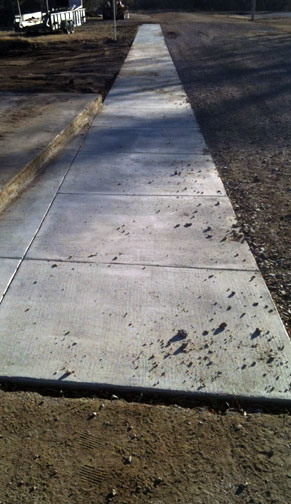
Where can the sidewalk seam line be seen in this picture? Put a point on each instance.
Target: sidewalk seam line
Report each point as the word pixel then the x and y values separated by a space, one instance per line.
pixel 214 196
pixel 147 265
pixel 42 221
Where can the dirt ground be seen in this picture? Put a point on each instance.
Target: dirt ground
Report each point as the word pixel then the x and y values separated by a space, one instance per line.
pixel 92 450
pixel 85 62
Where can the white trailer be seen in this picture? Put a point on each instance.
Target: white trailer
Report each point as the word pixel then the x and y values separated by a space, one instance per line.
pixel 62 15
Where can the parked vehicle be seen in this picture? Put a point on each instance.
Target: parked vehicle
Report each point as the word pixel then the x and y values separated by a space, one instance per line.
pixel 107 9
pixel 59 15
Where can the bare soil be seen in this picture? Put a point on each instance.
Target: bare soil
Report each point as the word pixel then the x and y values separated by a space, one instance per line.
pixel 84 62
pixel 91 450
pixel 61 450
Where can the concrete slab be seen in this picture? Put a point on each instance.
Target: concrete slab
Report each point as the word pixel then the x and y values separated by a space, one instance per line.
pixel 30 122
pixel 147 70
pixel 34 128
pixel 145 57
pixel 145 66
pixel 144 174
pixel 153 49
pixel 7 270
pixel 20 221
pixel 146 91
pixel 7 102
pixel 199 331
pixel 149 99
pixel 145 117
pixel 146 84
pixel 187 232
pixel 100 140
pixel 148 35
pixel 113 121
pixel 145 60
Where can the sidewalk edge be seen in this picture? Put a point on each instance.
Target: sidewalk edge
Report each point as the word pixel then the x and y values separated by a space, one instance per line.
pixel 26 174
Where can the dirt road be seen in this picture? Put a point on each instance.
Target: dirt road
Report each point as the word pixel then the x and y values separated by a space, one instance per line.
pixel 93 451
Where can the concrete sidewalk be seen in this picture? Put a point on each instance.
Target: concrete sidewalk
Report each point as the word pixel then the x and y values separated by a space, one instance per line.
pixel 135 275
pixel 33 128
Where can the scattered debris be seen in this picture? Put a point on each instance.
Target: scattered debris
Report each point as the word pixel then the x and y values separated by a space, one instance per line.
pixel 179 336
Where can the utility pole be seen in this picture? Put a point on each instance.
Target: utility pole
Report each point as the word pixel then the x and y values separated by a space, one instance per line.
pixel 253 10
pixel 19 9
pixel 114 19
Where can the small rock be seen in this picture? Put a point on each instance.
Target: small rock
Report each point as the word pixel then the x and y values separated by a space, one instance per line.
pixel 114 397
pixel 112 493
pixel 158 481
pixel 240 489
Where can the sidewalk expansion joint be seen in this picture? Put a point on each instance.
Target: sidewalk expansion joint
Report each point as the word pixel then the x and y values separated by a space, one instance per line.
pixel 15 258
pixel 41 223
pixel 145 265
pixel 102 125
pixel 149 152
pixel 180 195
